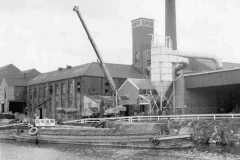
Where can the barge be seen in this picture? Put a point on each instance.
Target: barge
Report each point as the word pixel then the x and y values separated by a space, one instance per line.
pixel 110 133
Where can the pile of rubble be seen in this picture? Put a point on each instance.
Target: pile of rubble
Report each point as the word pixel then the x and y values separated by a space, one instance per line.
pixel 222 131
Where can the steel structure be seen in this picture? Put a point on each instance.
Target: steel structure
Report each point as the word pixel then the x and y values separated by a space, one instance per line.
pixel 100 60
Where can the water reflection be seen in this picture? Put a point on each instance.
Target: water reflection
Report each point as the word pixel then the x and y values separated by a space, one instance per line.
pixel 12 150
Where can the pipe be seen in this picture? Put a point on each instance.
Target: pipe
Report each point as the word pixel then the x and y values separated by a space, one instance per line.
pixel 182 63
pixel 197 55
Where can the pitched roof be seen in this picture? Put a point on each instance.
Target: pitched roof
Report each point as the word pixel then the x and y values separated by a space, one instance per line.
pixel 15 81
pixel 10 71
pixel 30 74
pixel 116 71
pixel 142 83
pixel 89 69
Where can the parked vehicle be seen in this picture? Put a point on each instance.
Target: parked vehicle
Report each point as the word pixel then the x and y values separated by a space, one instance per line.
pixel 91 112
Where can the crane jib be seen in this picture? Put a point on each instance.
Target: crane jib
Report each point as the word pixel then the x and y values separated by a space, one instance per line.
pixel 101 62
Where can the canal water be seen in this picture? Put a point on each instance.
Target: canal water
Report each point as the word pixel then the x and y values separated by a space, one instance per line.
pixel 12 150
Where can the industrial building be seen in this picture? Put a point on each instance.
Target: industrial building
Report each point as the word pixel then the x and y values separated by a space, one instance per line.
pixel 191 83
pixel 68 87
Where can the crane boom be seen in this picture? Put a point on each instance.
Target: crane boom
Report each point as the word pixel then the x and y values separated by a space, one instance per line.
pixel 100 60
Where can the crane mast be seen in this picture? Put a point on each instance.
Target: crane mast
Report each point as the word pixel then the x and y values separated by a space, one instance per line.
pixel 100 60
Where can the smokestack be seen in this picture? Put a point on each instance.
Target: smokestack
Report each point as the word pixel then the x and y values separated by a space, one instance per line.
pixel 170 22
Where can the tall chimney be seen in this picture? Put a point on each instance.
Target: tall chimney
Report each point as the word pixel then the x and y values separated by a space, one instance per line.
pixel 170 22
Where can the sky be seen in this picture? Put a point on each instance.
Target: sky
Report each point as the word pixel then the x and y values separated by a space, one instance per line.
pixel 45 35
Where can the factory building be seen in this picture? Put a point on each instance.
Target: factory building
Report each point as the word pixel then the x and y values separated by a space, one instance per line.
pixel 216 91
pixel 49 93
pixel 191 83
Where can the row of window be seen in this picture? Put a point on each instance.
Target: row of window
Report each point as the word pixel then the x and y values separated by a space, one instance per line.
pixel 43 90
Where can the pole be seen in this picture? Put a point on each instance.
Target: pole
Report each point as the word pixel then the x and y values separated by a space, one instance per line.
pixel 161 87
pixel 174 91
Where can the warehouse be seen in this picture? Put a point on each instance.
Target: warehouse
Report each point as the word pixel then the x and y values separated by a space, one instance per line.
pixel 65 88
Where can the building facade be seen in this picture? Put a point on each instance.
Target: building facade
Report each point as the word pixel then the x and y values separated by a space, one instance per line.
pixel 50 92
pixel 142 31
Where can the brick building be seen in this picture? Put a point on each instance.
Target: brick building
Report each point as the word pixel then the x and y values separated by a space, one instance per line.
pixel 66 87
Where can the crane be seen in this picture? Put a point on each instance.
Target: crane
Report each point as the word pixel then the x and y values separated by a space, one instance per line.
pixel 108 76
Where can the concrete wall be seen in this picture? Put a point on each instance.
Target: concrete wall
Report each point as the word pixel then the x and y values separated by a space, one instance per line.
pixel 194 101
pixel 200 101
pixel 179 94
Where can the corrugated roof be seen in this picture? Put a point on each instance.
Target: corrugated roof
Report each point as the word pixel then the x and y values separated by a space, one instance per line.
pixel 90 69
pixel 142 83
pixel 199 65
pixel 211 71
pixel 227 66
pixel 15 81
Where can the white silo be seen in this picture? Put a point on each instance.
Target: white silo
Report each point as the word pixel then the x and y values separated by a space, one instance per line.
pixel 161 69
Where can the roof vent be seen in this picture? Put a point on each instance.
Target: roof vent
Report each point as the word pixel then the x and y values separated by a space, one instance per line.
pixel 60 68
pixel 68 67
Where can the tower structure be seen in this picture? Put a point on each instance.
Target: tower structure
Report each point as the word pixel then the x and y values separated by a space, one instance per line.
pixel 142 31
pixel 170 22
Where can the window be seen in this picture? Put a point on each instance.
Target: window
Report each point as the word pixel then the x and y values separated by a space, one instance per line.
pixel 70 103
pixel 106 84
pixel 40 91
pixel 35 92
pixel 57 89
pixel 142 108
pixel 63 88
pixel 50 89
pixel 63 104
pixel 78 87
pixel 70 87
pixel 106 90
pixel 30 94
pixel 45 91
pixel 56 104
pixel 125 97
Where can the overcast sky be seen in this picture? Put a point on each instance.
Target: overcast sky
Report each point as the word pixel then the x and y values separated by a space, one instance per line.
pixel 47 34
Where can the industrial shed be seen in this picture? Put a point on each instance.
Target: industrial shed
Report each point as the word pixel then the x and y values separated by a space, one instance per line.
pixel 215 91
pixel 135 96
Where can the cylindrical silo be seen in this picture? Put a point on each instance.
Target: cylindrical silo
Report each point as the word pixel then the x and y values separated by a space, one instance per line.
pixel 161 69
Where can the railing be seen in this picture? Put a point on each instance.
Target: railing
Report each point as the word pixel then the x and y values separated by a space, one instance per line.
pixel 158 41
pixel 162 117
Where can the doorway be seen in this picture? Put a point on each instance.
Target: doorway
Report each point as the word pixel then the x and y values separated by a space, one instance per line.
pixel 2 108
pixel 17 107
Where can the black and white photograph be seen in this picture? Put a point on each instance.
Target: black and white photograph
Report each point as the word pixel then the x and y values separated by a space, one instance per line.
pixel 119 80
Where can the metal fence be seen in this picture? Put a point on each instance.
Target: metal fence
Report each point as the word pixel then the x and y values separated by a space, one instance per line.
pixel 162 117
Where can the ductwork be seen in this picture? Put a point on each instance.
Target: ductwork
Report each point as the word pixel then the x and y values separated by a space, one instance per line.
pixel 162 63
pixel 181 64
pixel 197 55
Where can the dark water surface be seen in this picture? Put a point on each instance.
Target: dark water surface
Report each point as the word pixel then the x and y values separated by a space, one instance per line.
pixel 12 150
